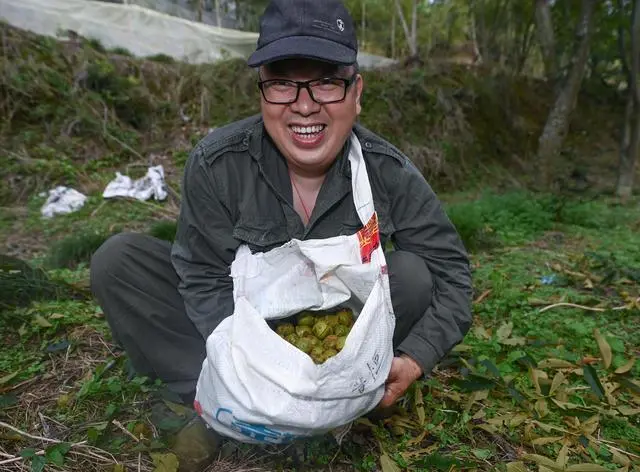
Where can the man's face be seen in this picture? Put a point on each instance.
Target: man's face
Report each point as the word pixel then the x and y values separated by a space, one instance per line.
pixel 310 135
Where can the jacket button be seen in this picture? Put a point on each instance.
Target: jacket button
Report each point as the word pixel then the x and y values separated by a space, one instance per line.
pixel 367 145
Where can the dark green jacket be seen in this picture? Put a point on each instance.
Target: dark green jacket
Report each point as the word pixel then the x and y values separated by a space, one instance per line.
pixel 236 190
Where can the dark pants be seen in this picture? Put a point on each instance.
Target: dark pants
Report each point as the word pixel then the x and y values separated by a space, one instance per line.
pixel 134 282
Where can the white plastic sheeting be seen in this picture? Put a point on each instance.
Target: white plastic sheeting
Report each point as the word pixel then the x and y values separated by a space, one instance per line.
pixel 141 31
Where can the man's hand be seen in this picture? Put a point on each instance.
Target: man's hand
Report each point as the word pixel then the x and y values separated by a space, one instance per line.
pixel 404 371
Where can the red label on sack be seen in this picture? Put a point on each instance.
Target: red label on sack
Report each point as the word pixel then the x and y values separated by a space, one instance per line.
pixel 369 238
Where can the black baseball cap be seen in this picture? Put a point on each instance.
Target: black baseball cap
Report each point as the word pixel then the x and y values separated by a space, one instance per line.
pixel 312 29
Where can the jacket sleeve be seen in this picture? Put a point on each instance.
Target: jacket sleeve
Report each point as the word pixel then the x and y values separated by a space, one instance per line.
pixel 423 228
pixel 204 247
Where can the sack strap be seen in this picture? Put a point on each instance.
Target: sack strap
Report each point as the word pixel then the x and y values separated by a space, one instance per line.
pixel 369 235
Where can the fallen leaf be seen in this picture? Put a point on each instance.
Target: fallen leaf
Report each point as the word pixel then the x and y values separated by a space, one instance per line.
pixel 605 349
pixel 22 330
pixel 504 331
pixel 488 428
pixel 537 302
pixel 420 452
pixel 590 426
pixel 417 439
pixel 620 458
pixel 588 284
pixel 484 295
pixel 518 419
pixel 623 369
pixel 516 467
pixel 591 376
pixel 563 456
pixel 536 375
pixel 8 378
pixel 419 404
pixel 542 408
pixel 628 411
pixel 588 360
pixel 387 464
pixel 481 332
pixel 544 441
pixel 165 462
pixel 515 341
pixel 555 364
pixel 56 316
pixel 482 454
pixel 41 321
pixel 462 348
pixel 586 468
pixel 541 460
pixel 558 380
pixel 632 385
pixel 118 468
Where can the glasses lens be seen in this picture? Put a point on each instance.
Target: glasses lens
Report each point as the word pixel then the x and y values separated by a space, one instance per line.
pixel 279 91
pixel 328 90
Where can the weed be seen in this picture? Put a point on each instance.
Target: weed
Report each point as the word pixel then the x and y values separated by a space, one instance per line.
pixel 165 230
pixel 75 249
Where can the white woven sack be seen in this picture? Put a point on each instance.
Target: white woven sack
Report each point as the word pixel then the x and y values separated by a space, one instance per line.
pixel 256 387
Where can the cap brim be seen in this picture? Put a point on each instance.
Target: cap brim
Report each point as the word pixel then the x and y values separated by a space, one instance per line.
pixel 308 47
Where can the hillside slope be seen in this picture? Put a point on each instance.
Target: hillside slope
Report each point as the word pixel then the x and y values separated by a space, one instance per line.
pixel 73 110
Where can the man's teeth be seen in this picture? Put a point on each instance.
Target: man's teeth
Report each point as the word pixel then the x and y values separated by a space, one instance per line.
pixel 307 129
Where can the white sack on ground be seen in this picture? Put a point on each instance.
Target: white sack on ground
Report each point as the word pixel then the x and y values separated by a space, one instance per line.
pixel 151 185
pixel 62 200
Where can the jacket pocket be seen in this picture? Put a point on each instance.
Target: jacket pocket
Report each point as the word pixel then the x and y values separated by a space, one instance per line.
pixel 261 235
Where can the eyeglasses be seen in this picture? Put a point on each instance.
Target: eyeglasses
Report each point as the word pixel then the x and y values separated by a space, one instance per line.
pixel 322 91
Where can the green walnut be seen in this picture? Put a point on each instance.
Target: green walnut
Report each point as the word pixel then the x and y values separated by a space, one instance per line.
pixel 316 351
pixel 313 340
pixel 285 329
pixel 345 318
pixel 340 330
pixel 304 345
pixel 331 320
pixel 321 330
pixel 330 341
pixel 340 342
pixel 292 338
pixel 306 319
pixel 303 330
pixel 329 353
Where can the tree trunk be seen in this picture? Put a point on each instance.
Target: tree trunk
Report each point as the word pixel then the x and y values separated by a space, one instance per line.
pixel 558 121
pixel 474 39
pixel 363 22
pixel 630 143
pixel 410 35
pixel 393 35
pixel 547 41
pixel 218 13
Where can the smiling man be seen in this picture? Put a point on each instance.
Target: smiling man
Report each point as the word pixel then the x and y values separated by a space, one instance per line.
pixel 280 175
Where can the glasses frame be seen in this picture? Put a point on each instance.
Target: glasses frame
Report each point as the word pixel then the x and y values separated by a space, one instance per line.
pixel 307 85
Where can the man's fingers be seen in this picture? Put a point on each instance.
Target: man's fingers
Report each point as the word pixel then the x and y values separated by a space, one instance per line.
pixel 391 394
pixel 387 400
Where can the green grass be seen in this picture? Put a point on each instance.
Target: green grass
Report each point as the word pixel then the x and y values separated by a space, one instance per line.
pixel 528 382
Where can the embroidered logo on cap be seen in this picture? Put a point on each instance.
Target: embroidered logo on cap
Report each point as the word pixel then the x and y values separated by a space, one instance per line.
pixel 340 24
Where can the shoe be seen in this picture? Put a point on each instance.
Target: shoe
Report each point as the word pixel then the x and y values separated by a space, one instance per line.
pixel 184 431
pixel 196 446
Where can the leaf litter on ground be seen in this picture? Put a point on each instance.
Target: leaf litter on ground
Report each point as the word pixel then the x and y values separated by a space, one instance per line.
pixel 547 379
